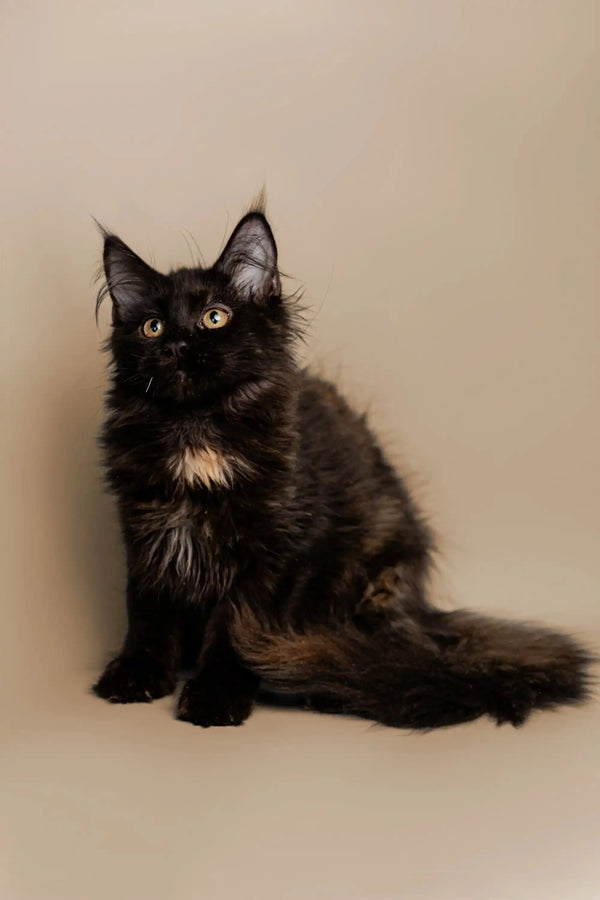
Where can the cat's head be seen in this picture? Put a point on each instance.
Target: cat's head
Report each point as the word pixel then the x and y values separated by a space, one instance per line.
pixel 188 335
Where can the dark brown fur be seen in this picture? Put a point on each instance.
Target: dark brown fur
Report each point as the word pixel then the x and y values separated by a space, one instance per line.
pixel 268 538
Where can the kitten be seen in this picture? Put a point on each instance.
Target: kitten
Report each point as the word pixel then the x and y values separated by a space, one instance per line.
pixel 268 539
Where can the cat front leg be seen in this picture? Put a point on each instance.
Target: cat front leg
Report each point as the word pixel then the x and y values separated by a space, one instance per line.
pixel 224 690
pixel 146 668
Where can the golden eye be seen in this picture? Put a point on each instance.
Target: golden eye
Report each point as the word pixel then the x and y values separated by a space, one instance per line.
pixel 215 318
pixel 153 327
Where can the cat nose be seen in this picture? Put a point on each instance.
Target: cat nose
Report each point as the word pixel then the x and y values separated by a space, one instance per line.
pixel 176 348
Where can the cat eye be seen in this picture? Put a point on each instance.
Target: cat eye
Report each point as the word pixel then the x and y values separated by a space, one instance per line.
pixel 215 318
pixel 153 327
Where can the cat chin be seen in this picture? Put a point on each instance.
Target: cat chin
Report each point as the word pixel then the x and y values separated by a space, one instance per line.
pixel 182 388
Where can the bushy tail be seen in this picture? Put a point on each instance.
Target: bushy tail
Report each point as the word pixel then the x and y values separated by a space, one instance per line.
pixel 423 672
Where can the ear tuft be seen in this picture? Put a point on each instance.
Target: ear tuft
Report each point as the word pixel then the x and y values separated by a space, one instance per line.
pixel 250 259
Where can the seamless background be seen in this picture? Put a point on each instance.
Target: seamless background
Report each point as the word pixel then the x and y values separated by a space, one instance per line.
pixel 433 183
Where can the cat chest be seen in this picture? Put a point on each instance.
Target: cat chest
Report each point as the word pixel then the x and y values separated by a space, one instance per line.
pixel 206 466
pixel 184 549
pixel 187 537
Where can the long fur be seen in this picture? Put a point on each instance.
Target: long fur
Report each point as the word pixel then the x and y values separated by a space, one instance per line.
pixel 268 538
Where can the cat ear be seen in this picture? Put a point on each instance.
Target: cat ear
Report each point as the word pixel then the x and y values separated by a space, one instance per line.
pixel 128 278
pixel 250 259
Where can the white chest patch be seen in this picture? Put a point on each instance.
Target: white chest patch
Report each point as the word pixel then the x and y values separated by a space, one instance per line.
pixel 202 464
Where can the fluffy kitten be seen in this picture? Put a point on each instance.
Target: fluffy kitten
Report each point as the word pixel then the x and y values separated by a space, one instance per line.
pixel 268 539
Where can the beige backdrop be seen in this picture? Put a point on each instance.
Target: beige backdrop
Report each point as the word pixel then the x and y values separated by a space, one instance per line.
pixel 432 175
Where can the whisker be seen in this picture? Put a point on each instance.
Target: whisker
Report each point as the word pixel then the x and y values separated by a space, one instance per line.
pixel 186 231
pixel 149 383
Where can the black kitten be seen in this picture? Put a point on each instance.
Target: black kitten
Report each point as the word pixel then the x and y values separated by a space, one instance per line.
pixel 268 539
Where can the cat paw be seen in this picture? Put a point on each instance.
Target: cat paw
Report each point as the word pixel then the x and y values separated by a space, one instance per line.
pixel 129 679
pixel 204 703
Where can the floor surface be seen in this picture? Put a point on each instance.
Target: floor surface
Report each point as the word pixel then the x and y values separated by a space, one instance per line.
pixel 125 802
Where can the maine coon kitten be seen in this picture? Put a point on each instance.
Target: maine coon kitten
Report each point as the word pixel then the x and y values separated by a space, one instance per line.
pixel 268 539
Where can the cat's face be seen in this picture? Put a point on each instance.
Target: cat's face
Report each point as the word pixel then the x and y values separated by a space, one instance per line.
pixel 194 333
